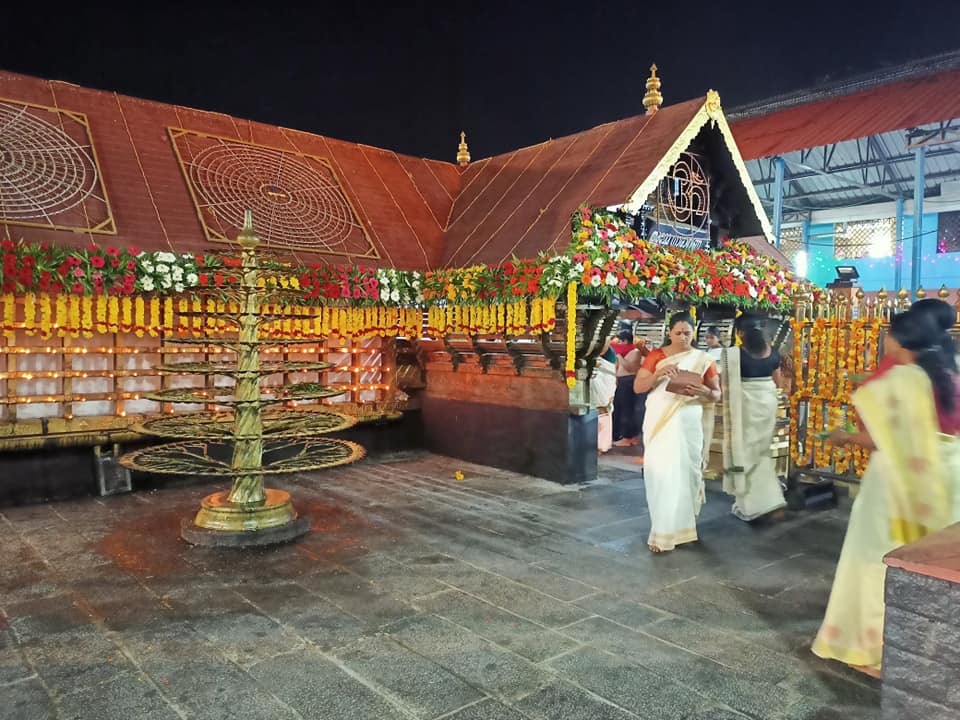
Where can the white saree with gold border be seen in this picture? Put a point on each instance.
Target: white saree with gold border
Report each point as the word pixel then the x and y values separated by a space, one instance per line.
pixel 910 489
pixel 673 437
pixel 749 420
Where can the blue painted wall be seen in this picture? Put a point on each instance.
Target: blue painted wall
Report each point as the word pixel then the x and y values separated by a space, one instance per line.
pixel 936 269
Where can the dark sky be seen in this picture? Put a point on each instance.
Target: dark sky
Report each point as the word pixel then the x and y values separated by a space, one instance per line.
pixel 409 76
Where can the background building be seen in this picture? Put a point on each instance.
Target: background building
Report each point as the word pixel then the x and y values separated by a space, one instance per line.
pixel 865 173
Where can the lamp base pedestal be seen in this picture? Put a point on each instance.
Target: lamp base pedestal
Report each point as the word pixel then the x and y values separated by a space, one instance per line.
pixel 221 523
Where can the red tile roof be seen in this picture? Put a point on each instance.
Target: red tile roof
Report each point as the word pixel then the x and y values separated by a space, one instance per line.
pixel 393 210
pixel 894 106
pixel 520 203
pixel 401 202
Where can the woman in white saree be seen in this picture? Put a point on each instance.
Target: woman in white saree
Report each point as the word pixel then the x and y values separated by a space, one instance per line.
pixel 673 433
pixel 750 374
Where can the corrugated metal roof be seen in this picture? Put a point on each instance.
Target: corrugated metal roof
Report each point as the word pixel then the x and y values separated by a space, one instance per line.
pixel 851 149
pixel 852 177
pixel 895 106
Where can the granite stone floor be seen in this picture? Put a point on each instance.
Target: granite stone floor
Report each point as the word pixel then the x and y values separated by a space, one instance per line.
pixel 498 597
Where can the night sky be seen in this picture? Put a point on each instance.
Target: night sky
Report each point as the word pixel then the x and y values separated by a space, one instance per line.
pixel 409 77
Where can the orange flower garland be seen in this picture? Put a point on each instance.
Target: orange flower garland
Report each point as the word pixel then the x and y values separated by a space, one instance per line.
pixel 836 351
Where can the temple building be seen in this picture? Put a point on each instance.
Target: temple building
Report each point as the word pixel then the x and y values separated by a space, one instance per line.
pixel 101 173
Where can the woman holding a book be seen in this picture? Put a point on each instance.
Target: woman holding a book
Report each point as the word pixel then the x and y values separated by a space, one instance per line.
pixel 681 381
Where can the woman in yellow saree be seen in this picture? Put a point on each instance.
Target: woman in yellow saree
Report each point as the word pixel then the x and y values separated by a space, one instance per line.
pixel 910 417
pixel 673 433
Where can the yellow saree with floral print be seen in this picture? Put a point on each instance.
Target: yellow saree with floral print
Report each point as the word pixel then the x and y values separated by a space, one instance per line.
pixel 906 492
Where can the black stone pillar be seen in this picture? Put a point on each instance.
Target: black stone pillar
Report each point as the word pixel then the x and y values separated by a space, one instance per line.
pixel 550 444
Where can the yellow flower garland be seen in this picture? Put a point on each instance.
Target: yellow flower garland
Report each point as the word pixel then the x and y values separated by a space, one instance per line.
pixel 100 304
pixel 167 325
pixel 571 335
pixel 73 316
pixel 86 316
pixel 126 314
pixel 30 314
pixel 138 316
pixel 113 314
pixel 46 312
pixel 836 352
pixel 9 316
pixel 61 318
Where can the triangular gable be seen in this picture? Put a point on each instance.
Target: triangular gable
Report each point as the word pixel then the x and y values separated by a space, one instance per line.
pixel 520 203
pixel 710 112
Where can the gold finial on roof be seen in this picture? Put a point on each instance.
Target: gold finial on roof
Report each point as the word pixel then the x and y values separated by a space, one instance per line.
pixel 921 293
pixel 248 236
pixel 463 154
pixel 653 99
pixel 943 293
pixel 713 103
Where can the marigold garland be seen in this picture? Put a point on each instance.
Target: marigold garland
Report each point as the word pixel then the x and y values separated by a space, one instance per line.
pixel 571 335
pixel 126 314
pixel 167 323
pixel 86 316
pixel 46 312
pixel 73 316
pixel 836 352
pixel 113 314
pixel 139 320
pixel 30 314
pixel 62 319
pixel 9 315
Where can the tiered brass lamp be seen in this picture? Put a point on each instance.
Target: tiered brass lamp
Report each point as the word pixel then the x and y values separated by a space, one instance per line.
pixel 250 434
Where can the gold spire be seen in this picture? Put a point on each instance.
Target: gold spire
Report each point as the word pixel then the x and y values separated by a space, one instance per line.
pixel 712 103
pixel 653 99
pixel 463 155
pixel 248 236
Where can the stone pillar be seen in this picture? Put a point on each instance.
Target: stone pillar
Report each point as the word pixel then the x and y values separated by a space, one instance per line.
pixel 921 639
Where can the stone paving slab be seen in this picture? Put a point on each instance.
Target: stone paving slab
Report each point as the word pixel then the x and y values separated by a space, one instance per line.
pixel 421 597
pixel 524 637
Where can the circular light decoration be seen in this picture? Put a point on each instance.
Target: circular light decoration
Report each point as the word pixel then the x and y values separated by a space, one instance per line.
pixel 297 201
pixel 43 171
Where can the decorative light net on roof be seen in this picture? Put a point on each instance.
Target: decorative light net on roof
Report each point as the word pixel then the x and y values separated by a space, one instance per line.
pixel 297 199
pixel 48 170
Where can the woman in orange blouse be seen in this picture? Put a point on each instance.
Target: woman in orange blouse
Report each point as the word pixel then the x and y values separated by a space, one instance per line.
pixel 681 381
